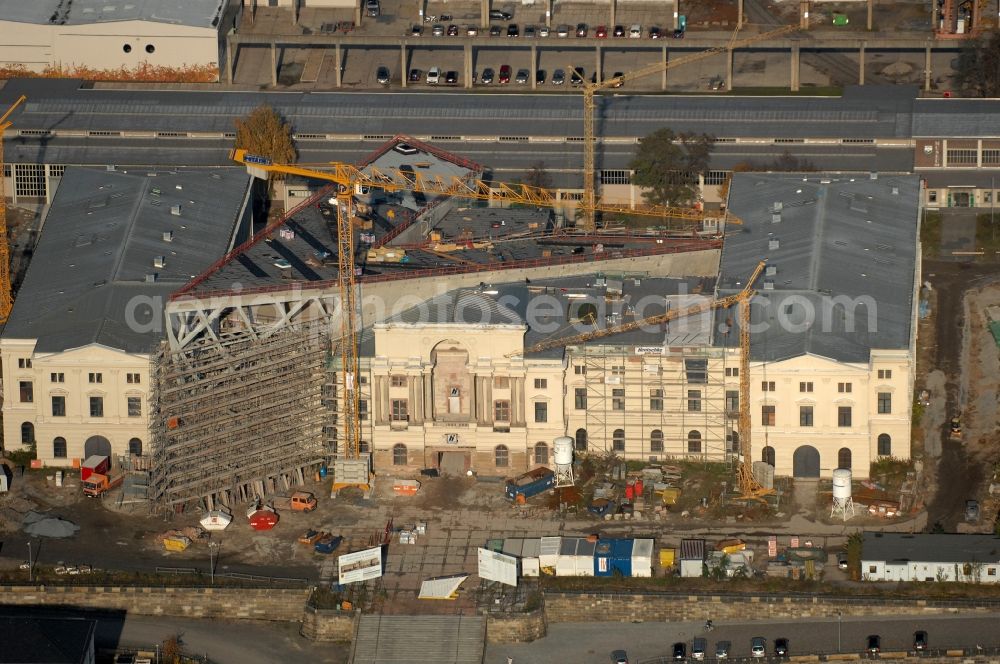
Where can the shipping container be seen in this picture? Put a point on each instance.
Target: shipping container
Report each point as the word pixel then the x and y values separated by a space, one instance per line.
pixel 548 554
pixel 95 464
pixel 668 557
pixel 576 557
pixel 642 557
pixel 613 557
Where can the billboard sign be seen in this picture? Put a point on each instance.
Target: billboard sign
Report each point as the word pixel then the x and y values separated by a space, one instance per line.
pixel 360 565
pixel 498 567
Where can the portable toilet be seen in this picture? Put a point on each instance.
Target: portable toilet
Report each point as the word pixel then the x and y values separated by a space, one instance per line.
pixel 642 557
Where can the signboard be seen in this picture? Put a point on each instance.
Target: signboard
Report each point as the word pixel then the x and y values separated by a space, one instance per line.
pixel 498 567
pixel 360 565
pixel 649 350
pixel 256 159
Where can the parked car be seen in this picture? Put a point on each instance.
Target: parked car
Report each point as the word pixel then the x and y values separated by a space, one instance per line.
pixel 842 560
pixel 873 644
pixel 581 29
pixel 529 31
pixel 601 32
pixel 722 649
pixel 382 75
pixel 437 30
pixel 654 33
pixel 543 31
pixel 618 84
pixel 716 83
pixel 433 76
pixel 558 77
pixel 495 31
pixel 372 8
pixel 504 74
pixel 578 77
pixel 500 15
pixel 619 31
pixel 540 76
pixel 414 76
pixel 781 647
pixel 451 78
pixel 758 647
pixel 452 30
pixel 619 657
pixel 471 30
pixel 416 31
pixel 920 640
pixel 512 30
pixel 635 32
pixel 679 33
pixel 488 75
pixel 698 648
pixel 521 77
pixel 680 651
pixel 562 31
pixel 972 511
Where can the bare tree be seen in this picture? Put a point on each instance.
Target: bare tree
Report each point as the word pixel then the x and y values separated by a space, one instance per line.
pixel 978 70
pixel 538 176
pixel 266 134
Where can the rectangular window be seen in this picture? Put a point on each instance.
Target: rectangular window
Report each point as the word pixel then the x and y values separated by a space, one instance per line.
pixel 58 406
pixel 397 381
pixel 991 157
pixel 716 177
pixel 696 371
pixel 97 406
pixel 135 406
pixel 616 177
pixel 27 391
pixel 694 401
pixel 580 369
pixel 767 416
pixel 541 383
pixel 580 398
pixel 541 411
pixel 501 382
pixel 844 416
pixel 363 410
pixel 884 403
pixel 501 410
pixel 656 400
pixel 805 416
pixel 618 370
pixel 57 377
pixel 885 374
pixel 963 156
pixel 732 402
pixel 932 195
pixel 132 378
pixel 29 180
pixel 806 387
pixel 618 399
pixel 95 378
pixel 24 363
pixel 732 372
pixel 400 411
pixel 872 569
pixel 844 388
pixel 767 386
pixel 991 571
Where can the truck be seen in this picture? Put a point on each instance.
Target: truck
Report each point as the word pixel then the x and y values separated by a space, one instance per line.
pixel 529 484
pixel 300 501
pixel 94 464
pixel 98 484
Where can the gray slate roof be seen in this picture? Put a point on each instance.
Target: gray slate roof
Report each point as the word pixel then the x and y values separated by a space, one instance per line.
pixel 931 548
pixel 99 241
pixel 197 13
pixel 836 237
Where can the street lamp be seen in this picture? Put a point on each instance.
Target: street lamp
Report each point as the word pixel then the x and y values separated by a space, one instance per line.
pixel 213 548
pixel 30 575
pixel 839 623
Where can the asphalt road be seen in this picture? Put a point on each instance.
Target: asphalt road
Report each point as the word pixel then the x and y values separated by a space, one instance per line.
pixel 587 642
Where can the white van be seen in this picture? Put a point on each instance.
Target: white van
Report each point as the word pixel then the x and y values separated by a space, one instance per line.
pixel 433 75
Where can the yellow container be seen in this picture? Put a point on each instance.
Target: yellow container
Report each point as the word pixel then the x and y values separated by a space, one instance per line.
pixel 176 543
pixel 667 557
pixel 670 495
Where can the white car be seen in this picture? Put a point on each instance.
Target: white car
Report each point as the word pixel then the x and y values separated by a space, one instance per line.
pixel 757 647
pixel 543 31
pixel 433 75
pixel 635 32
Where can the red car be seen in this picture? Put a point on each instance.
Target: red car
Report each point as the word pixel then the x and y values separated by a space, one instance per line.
pixel 601 32
pixel 504 74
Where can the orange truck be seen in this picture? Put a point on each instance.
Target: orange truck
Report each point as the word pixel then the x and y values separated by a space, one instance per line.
pixel 300 501
pixel 98 483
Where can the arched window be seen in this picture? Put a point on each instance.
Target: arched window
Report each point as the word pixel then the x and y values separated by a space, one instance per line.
pixel 694 442
pixel 399 454
pixel 767 455
pixel 59 447
pixel 541 454
pixel 501 456
pixel 884 445
pixel 135 446
pixel 27 433
pixel 844 458
pixel 656 441
pixel 581 440
pixel 618 440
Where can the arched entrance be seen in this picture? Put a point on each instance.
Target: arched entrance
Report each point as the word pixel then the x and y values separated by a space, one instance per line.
pixel 98 445
pixel 805 462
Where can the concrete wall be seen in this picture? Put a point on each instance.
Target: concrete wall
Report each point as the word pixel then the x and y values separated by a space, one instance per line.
pixel 284 605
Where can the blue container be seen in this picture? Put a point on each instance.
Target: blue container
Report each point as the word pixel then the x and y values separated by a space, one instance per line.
pixel 603 562
pixel 322 472
pixel 621 557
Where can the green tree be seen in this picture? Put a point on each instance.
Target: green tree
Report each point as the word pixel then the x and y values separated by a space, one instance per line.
pixel 978 70
pixel 538 176
pixel 264 133
pixel 667 165
pixel 854 550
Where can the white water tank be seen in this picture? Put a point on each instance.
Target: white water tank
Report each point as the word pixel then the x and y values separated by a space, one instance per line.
pixel 841 484
pixel 563 451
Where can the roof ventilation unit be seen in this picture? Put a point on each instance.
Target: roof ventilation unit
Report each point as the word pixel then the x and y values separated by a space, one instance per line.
pixel 168 236
pixel 773 244
pixel 776 218
pixel 778 205
pixel 175 210
pixel 770 270
pixel 768 284
pixel 895 191
pixel 873 175
pixel 159 262
pixel 151 278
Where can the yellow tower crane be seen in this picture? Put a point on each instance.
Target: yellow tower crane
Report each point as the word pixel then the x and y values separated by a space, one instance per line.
pixel 590 91
pixel 6 295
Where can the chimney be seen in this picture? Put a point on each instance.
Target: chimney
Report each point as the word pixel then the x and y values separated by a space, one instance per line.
pixel 168 236
pixel 159 262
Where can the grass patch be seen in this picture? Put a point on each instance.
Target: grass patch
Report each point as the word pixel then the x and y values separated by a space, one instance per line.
pixel 930 234
pixel 890 471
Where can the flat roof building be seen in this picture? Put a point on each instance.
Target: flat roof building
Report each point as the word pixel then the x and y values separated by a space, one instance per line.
pixel 930 557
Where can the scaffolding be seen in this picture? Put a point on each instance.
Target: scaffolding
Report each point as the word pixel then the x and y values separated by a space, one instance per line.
pixel 238 415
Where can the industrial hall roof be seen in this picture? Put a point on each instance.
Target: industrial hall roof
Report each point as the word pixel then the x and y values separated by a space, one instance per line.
pixel 197 13
pixel 115 245
pixel 841 263
pixel 34 639
pixel 930 548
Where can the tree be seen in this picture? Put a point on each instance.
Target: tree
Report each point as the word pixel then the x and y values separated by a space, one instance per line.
pixel 538 176
pixel 978 70
pixel 264 133
pixel 667 165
